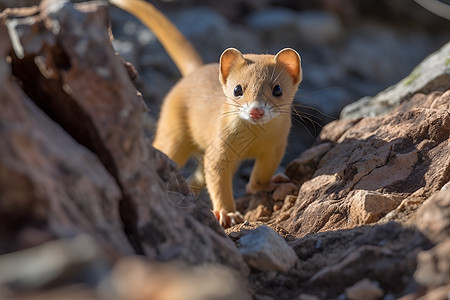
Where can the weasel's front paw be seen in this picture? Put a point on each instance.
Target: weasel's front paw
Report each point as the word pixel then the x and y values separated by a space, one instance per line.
pixel 280 178
pixel 254 189
pixel 227 219
pixel 275 182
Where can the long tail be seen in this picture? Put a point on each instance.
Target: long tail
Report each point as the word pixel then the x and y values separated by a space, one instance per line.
pixel 177 46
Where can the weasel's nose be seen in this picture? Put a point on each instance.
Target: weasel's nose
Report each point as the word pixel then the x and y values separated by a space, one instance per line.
pixel 257 113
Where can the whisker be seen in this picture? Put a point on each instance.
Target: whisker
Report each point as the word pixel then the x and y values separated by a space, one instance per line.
pixel 311 115
pixel 230 112
pixel 314 109
pixel 273 72
pixel 304 126
pixel 303 114
pixel 227 115
pixel 278 75
pixel 303 117
pixel 235 105
pixel 230 98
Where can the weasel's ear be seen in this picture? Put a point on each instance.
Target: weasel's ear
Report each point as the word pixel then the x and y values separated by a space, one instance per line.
pixel 290 59
pixel 229 58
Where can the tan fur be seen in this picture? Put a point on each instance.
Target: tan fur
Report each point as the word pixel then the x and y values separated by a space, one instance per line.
pixel 201 116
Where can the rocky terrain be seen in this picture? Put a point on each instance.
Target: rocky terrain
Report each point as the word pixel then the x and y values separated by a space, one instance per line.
pixel 89 210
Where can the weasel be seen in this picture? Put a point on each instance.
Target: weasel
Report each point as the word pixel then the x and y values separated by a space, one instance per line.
pixel 223 113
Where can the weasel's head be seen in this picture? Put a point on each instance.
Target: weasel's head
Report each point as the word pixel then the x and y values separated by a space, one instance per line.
pixel 260 88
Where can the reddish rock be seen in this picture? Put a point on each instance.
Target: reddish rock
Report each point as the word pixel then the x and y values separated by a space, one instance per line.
pixel 49 184
pixel 364 290
pixel 371 171
pixel 368 207
pixel 303 168
pixel 398 157
pixel 337 260
pixel 260 206
pixel 433 217
pixel 433 267
pixel 257 207
pixel 283 190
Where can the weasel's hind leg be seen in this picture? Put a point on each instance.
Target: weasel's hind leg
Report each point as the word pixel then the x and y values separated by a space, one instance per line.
pixel 177 149
pixel 172 133
pixel 197 180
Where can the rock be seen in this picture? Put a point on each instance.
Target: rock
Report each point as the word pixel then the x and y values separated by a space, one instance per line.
pixel 433 74
pixel 283 190
pixel 361 171
pixel 49 183
pixel 261 213
pixel 80 162
pixel 81 264
pixel 266 250
pixel 342 258
pixel 399 157
pixel 302 168
pixel 364 289
pixel 438 293
pixel 17 3
pixel 278 205
pixel 172 281
pixel 433 217
pixel 256 207
pixel 384 253
pixel 60 261
pixel 368 207
pixel 260 206
pixel 433 266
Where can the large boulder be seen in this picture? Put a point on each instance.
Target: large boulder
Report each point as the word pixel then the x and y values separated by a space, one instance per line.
pixel 73 155
pixel 361 171
pixel 373 167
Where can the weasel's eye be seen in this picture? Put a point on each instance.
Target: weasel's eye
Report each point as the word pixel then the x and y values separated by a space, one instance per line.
pixel 277 91
pixel 238 92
